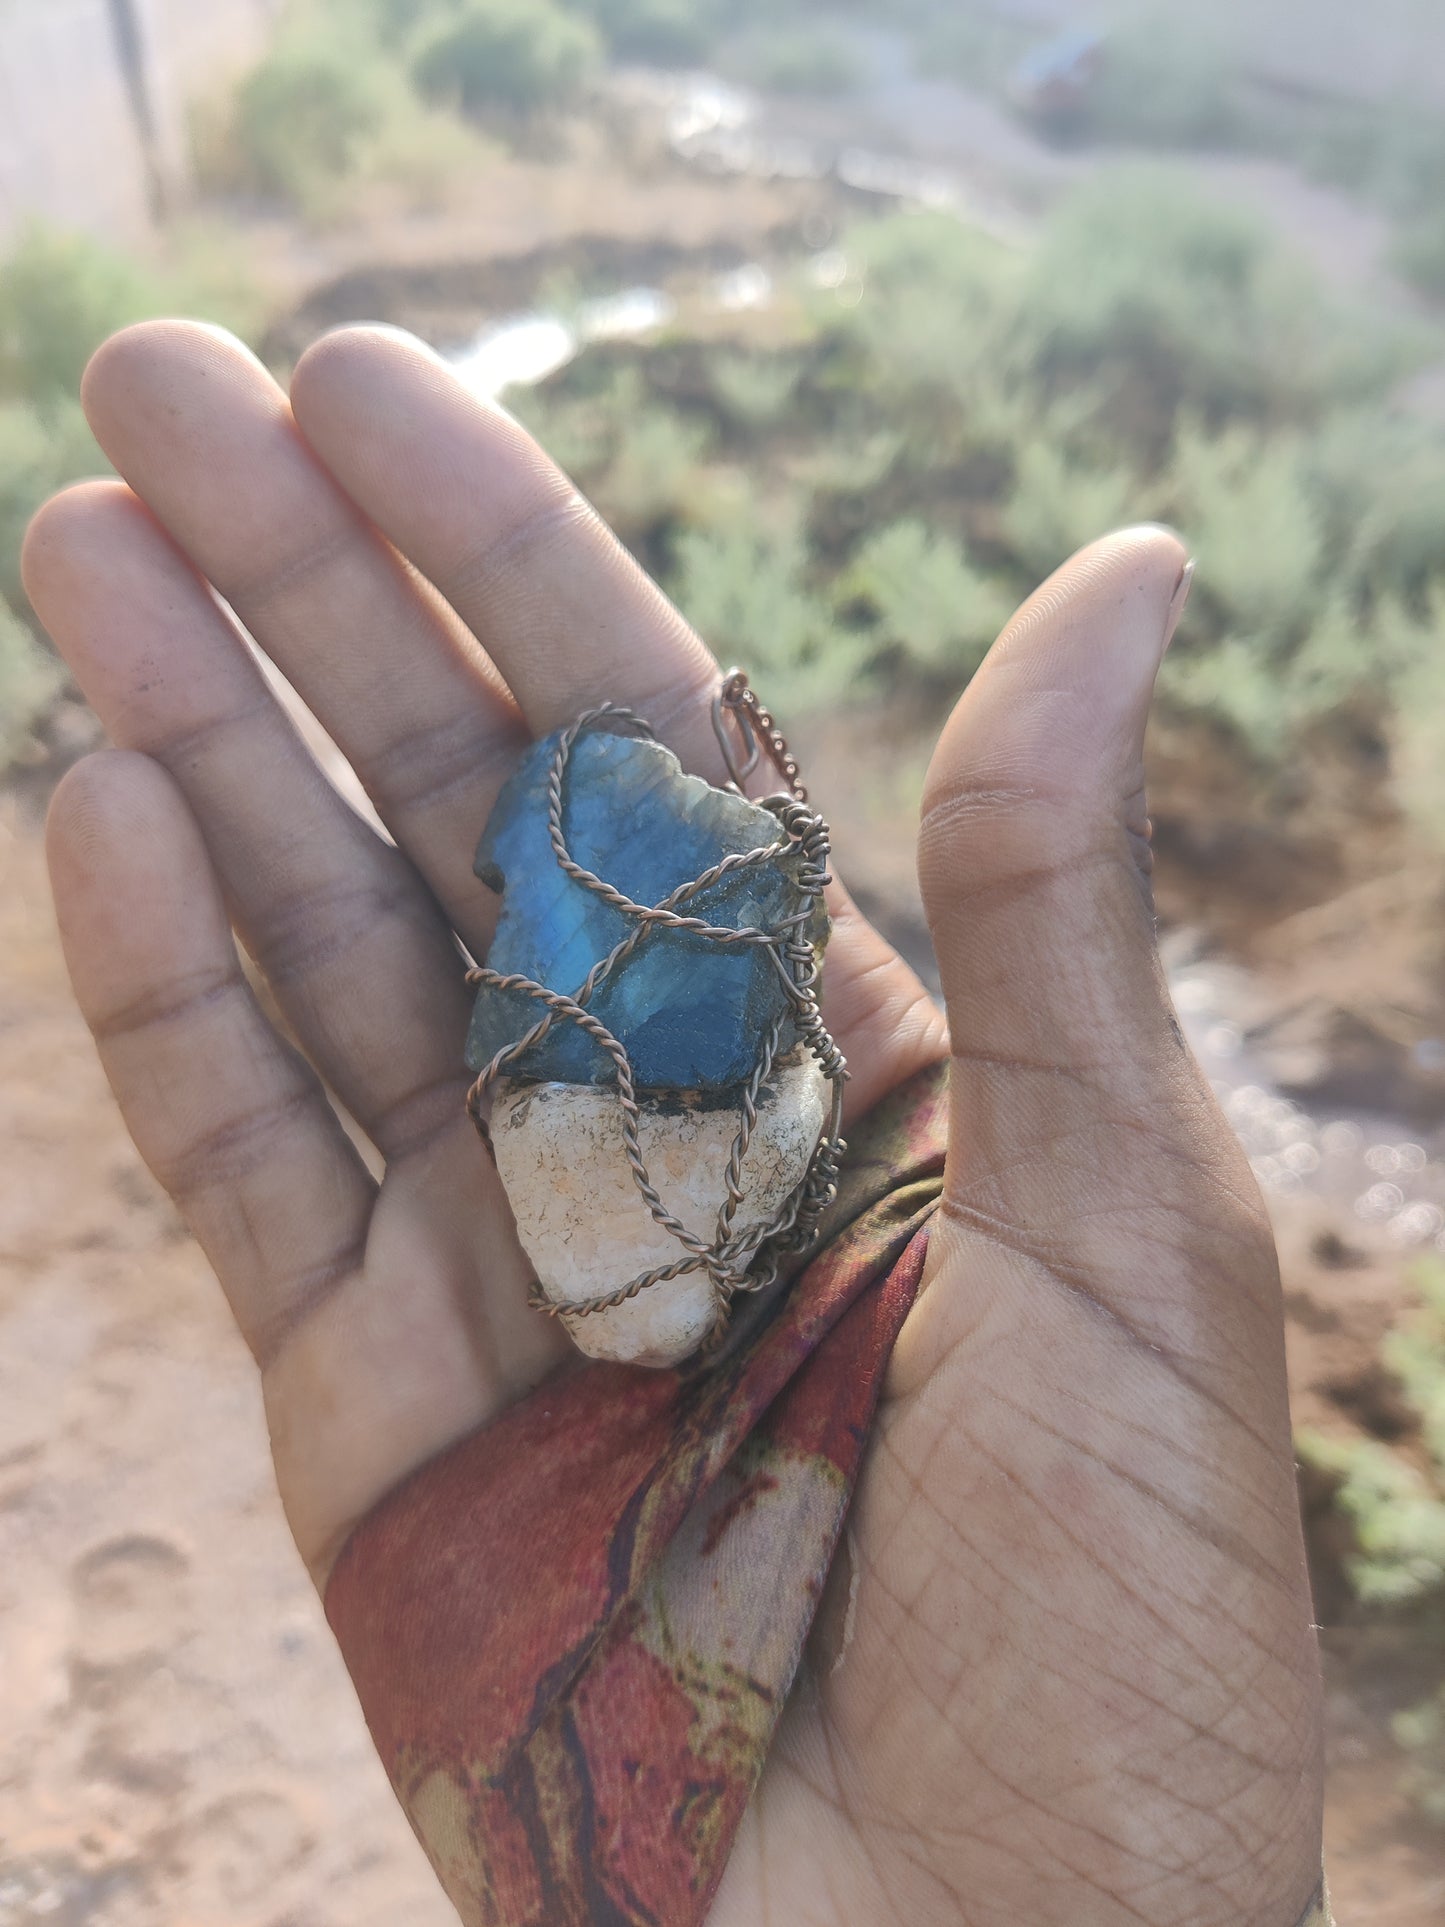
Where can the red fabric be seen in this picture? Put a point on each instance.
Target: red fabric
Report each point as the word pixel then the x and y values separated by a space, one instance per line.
pixel 573 1632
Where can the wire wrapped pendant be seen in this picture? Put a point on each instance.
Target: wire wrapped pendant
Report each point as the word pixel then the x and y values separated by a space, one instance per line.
pixel 654 1077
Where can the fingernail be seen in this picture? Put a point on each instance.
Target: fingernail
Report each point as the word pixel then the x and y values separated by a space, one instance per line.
pixel 1179 600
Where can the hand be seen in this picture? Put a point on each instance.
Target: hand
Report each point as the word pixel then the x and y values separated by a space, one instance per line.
pixel 1066 1672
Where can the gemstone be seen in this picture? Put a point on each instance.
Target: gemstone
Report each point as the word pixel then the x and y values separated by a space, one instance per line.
pixel 585 1226
pixel 691 1013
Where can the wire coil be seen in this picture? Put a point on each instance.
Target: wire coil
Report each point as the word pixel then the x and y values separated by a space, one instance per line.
pixel 734 1261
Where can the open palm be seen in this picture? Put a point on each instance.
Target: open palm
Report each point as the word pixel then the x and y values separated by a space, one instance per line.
pixel 1065 1671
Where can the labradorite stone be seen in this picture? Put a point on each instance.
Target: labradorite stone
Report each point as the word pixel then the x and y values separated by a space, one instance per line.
pixel 692 1014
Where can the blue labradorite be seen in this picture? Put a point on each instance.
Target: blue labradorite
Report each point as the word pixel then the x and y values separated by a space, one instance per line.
pixel 691 1014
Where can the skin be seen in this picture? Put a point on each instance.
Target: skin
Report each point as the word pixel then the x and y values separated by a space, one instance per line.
pixel 1065 1671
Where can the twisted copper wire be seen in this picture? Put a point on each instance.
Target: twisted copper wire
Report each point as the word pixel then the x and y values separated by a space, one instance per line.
pixel 734 1262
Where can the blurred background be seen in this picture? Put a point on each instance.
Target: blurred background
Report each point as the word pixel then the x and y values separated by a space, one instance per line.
pixel 855 319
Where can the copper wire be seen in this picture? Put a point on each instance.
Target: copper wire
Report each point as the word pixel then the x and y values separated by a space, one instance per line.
pixel 735 1262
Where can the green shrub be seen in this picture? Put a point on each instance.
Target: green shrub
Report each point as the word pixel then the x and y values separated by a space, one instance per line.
pixel 1414 651
pixel 1258 533
pixel 1397 1509
pixel 1419 250
pixel 941 303
pixel 850 464
pixel 745 587
pixel 665 33
pixel 1397 1515
pixel 1379 481
pixel 1232 683
pixel 656 462
pixel 1163 300
pixel 926 600
pixel 1058 504
pixel 522 56
pixel 306 113
pixel 797 60
pixel 329 113
pixel 40 451
pixel 1397 1512
pixel 754 391
pixel 1164 81
pixel 61 294
pixel 29 680
pixel 578 434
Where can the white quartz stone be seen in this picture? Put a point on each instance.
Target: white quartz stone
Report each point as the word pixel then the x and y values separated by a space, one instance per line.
pixel 584 1225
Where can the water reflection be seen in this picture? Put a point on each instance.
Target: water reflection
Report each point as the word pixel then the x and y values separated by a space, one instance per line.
pixel 1368 1165
pixel 521 351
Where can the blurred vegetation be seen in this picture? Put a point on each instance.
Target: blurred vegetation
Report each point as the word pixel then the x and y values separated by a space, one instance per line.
pixel 333 110
pixel 1396 1509
pixel 60 296
pixel 872 488
pixel 868 497
pixel 797 59
pixel 355 93
pixel 1167 80
pixel 517 56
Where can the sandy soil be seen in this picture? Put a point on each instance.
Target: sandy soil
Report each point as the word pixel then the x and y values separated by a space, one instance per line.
pixel 179 1743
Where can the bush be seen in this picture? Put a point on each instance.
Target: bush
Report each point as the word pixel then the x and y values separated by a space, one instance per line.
pixel 60 296
pixel 329 112
pixel 940 304
pixel 304 116
pixel 656 462
pixel 969 416
pixel 29 680
pixel 517 55
pixel 1258 533
pixel 1165 301
pixel 1416 653
pixel 1379 482
pixel 1397 1509
pixel 754 391
pixel 1058 504
pixel 40 451
pixel 664 33
pixel 926 601
pixel 797 60
pixel 744 587
pixel 1164 81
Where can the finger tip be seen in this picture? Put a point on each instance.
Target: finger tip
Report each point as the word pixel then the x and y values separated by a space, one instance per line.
pixel 1150 556
pixel 62 527
pixel 1110 601
pixel 1066 687
pixel 344 359
pixel 128 870
pixel 111 798
pixel 156 366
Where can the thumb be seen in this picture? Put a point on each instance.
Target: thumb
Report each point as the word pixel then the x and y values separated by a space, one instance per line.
pixel 1082 1137
pixel 1033 852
